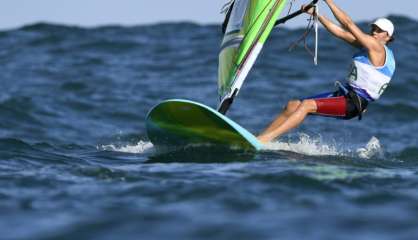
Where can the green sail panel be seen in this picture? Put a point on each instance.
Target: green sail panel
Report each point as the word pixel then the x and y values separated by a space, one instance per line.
pixel 249 26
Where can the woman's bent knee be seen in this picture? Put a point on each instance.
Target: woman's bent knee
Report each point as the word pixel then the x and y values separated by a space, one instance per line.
pixel 292 105
pixel 309 105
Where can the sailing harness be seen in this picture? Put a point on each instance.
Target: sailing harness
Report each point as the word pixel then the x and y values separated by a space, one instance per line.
pixel 359 102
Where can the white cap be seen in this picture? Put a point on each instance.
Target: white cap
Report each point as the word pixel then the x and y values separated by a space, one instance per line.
pixel 386 25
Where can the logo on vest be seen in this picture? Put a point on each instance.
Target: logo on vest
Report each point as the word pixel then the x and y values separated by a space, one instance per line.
pixel 383 88
pixel 353 73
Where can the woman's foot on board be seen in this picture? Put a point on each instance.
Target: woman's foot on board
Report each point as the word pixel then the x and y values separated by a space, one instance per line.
pixel 264 139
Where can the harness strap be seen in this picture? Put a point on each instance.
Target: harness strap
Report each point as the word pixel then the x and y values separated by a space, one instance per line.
pixel 353 96
pixel 357 102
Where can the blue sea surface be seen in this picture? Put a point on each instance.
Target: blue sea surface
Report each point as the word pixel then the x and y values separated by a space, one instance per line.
pixel 76 163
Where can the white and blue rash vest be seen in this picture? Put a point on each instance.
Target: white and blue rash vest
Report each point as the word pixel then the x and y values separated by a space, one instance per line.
pixel 367 80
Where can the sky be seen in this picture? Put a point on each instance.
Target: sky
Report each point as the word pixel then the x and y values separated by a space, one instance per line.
pixel 16 13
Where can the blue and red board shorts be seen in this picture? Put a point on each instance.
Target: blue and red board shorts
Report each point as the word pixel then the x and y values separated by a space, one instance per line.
pixel 337 104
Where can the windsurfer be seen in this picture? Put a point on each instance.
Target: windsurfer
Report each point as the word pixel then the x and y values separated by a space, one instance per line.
pixel 372 69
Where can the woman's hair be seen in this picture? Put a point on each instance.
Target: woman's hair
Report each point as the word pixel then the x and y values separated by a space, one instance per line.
pixel 392 39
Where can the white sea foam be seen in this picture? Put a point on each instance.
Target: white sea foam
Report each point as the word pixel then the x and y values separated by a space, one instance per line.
pixel 305 145
pixel 140 147
pixel 315 146
pixel 372 149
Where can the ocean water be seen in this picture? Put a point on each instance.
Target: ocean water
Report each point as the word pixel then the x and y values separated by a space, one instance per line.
pixel 75 161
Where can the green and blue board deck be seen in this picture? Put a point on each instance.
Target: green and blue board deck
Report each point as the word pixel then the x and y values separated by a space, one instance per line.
pixel 182 123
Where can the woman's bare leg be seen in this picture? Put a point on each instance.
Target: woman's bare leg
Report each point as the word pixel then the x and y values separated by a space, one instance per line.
pixel 285 123
pixel 289 109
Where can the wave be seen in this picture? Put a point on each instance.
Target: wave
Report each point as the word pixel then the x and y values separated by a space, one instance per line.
pixel 408 155
pixel 47 27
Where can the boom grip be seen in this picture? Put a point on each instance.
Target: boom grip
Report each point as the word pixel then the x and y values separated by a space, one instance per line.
pixel 295 14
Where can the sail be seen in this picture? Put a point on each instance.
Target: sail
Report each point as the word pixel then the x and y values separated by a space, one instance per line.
pixel 250 24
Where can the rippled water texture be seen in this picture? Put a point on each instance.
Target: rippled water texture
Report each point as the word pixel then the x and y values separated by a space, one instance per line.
pixel 75 161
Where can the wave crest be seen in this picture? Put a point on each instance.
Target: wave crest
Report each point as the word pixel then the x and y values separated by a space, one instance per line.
pixel 140 147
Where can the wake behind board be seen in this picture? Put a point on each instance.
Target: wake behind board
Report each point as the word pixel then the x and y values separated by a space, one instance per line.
pixel 181 123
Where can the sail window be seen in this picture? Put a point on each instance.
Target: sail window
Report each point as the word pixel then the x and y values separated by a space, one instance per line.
pixel 237 16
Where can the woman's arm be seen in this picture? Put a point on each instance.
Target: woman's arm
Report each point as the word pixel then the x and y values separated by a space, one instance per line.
pixel 338 31
pixel 347 23
pixel 334 29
